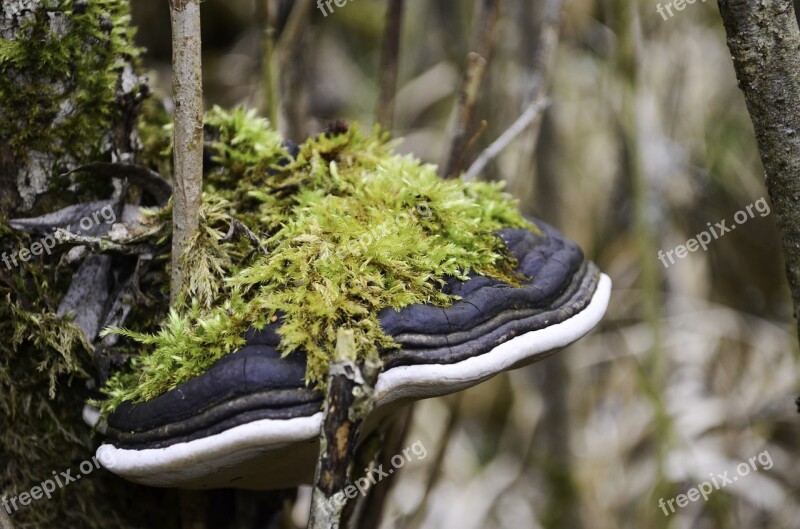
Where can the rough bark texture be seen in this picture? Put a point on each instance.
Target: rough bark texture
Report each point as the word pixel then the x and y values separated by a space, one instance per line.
pixel 764 41
pixel 347 403
pixel 187 92
pixel 83 105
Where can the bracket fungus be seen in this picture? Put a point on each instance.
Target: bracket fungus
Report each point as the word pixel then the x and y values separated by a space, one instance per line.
pixel 228 393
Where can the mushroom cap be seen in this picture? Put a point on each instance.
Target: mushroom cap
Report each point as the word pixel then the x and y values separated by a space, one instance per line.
pixel 251 422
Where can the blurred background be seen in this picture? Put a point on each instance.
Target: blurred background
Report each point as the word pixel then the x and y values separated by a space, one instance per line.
pixel 646 140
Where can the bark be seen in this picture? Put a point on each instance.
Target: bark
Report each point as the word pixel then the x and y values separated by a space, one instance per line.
pixel 764 41
pixel 347 404
pixel 187 92
pixel 51 143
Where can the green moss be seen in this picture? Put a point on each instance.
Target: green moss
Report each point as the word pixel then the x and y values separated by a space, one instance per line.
pixel 348 229
pixel 58 76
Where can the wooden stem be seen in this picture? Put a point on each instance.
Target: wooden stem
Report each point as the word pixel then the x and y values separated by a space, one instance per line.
pixel 347 403
pixel 187 94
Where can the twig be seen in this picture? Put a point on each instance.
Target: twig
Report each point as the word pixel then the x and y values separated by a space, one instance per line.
pixel 477 63
pixel 187 93
pixel 536 102
pixel 140 175
pixel 347 403
pixel 100 244
pixel 531 114
pixel 389 63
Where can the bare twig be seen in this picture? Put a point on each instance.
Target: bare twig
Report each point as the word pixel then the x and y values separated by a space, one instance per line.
pixel 764 40
pixel 531 114
pixel 187 93
pixel 347 403
pixel 144 177
pixel 530 119
pixel 101 244
pixel 390 63
pixel 477 63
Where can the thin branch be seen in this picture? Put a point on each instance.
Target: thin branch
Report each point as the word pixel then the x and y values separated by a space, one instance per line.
pixel 477 63
pixel 390 63
pixel 531 114
pixel 764 39
pixel 144 177
pixel 103 245
pixel 187 93
pixel 530 119
pixel 347 403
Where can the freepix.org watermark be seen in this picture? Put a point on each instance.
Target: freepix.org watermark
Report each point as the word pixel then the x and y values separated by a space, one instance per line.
pixel 679 5
pixel 322 4
pixel 374 475
pixel 47 243
pixel 718 481
pixel 402 220
pixel 46 488
pixel 704 238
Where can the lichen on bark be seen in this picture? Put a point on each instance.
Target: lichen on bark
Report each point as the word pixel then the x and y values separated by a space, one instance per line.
pixel 69 93
pixel 68 89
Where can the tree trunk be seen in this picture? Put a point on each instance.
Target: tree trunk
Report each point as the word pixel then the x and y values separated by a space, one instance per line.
pixel 764 41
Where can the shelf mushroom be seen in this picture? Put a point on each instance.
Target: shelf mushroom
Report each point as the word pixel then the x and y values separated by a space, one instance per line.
pixel 250 421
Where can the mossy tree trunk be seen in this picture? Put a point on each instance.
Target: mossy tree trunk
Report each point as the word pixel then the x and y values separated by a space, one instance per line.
pixel 69 94
pixel 764 41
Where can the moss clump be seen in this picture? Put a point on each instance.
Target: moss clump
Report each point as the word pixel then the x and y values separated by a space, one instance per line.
pixel 325 239
pixel 59 74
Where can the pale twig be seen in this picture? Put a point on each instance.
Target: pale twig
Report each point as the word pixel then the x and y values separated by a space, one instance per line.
pixel 187 94
pixel 477 63
pixel 531 114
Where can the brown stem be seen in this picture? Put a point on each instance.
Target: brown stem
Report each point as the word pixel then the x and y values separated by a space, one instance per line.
pixel 390 63
pixel 764 40
pixel 477 63
pixel 187 94
pixel 347 403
